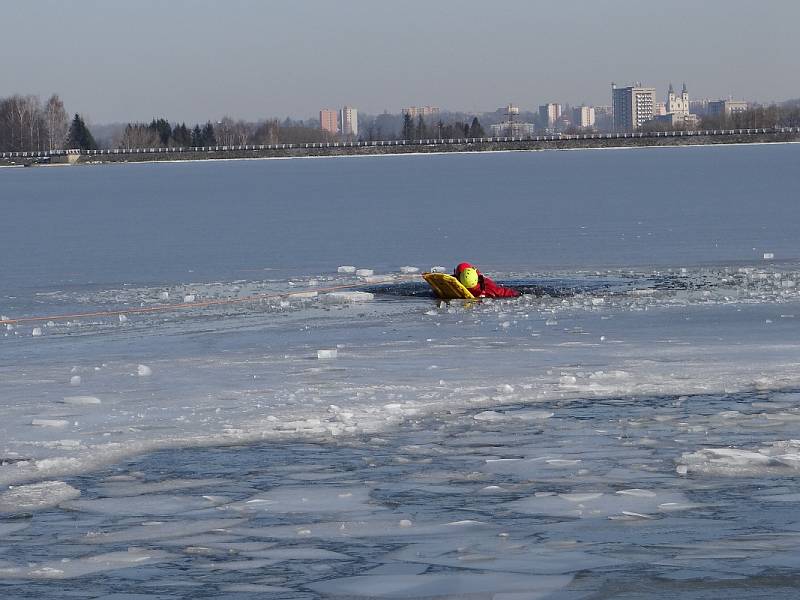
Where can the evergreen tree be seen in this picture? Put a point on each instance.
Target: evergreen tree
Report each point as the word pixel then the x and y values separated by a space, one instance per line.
pixel 422 129
pixel 181 137
pixel 163 129
pixel 475 130
pixel 79 135
pixel 408 127
pixel 209 139
pixel 197 137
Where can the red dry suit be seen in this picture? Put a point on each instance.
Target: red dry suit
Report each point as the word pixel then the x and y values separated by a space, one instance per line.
pixel 486 288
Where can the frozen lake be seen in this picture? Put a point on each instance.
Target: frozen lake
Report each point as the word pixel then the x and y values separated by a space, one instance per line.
pixel 627 428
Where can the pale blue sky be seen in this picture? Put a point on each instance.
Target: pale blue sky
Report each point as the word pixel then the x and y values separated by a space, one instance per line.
pixel 119 60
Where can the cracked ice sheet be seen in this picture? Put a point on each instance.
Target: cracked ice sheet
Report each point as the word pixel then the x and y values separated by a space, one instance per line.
pixel 196 397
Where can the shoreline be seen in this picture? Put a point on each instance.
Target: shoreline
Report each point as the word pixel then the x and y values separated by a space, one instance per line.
pixel 494 147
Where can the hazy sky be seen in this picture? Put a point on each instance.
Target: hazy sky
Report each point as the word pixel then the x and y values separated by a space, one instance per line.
pixel 120 60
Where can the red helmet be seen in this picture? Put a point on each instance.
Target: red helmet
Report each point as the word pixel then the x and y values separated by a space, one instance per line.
pixel 462 266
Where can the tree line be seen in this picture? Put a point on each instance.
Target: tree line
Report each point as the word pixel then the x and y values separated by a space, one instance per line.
pixel 422 130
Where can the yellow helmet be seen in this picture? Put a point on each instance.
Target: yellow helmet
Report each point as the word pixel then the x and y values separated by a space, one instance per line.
pixel 468 277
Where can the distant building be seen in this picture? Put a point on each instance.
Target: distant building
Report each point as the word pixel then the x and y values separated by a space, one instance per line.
pixel 604 118
pixel 632 106
pixel 678 104
pixel 349 121
pixel 583 117
pixel 511 127
pixel 329 120
pixel 677 110
pixel 426 112
pixel 726 107
pixel 549 114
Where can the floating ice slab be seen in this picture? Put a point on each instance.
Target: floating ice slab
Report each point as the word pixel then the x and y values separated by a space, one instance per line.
pixel 143 505
pixel 409 270
pixel 144 371
pixel 309 499
pixel 600 504
pixel 346 269
pixel 70 568
pixel 160 531
pixel 442 585
pixel 346 297
pixel 327 354
pixel 364 272
pixel 81 400
pixel 36 496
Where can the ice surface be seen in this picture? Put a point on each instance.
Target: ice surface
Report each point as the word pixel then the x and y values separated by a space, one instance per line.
pixel 327 354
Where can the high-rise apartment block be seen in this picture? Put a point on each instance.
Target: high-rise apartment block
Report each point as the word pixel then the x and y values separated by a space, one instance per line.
pixel 329 120
pixel 549 114
pixel 349 120
pixel 632 106
pixel 583 117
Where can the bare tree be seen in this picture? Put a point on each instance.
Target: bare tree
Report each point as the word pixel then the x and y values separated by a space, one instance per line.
pixel 56 122
pixel 139 135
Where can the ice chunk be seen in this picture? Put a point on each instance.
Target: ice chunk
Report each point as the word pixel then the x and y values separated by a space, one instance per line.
pixel 49 422
pixel 156 504
pixel 37 331
pixel 189 298
pixel 122 318
pixel 364 272
pixel 80 400
pixel 327 354
pixel 69 568
pixel 160 531
pixel 144 371
pixel 439 269
pixel 346 297
pixel 36 496
pixel 409 270
pixel 600 504
pixel 346 269
pixel 75 380
pixel 163 296
pixel 309 499
pixel 769 255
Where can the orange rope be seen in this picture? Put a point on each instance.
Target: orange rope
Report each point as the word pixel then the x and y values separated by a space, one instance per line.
pixel 201 304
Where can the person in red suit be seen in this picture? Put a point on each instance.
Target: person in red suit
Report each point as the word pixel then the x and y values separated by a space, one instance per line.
pixel 479 285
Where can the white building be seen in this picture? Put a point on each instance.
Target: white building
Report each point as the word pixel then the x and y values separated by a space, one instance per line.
pixel 512 129
pixel 676 110
pixel 549 114
pixel 583 117
pixel 349 121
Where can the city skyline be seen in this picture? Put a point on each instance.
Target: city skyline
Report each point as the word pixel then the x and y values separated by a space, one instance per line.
pixel 251 60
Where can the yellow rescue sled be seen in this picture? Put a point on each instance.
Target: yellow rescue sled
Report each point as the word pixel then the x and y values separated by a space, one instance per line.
pixel 447 287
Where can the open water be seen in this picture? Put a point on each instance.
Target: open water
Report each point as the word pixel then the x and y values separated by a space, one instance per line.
pixel 626 429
